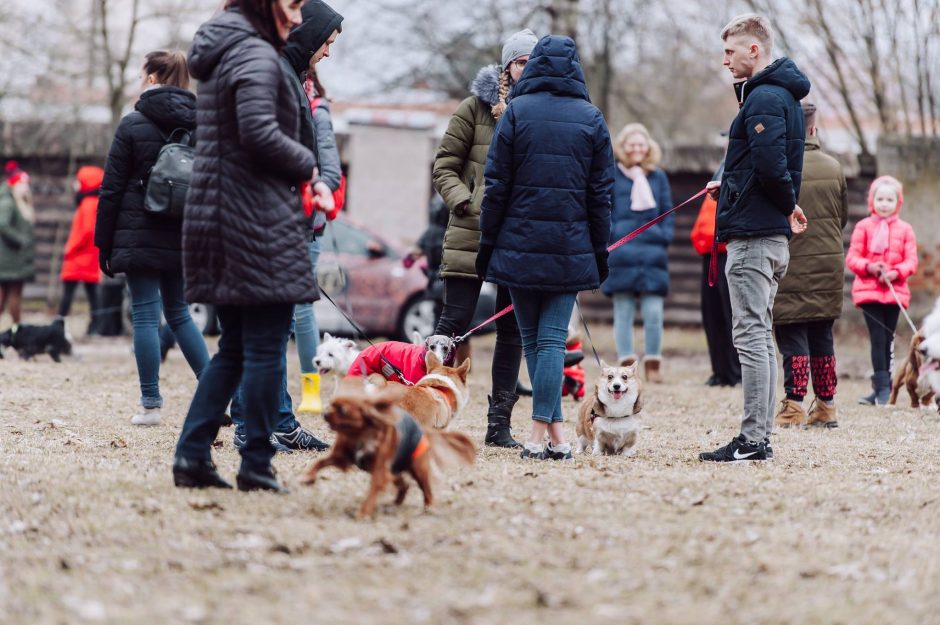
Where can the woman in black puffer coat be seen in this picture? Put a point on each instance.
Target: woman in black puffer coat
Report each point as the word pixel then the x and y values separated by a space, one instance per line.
pixel 244 243
pixel 145 246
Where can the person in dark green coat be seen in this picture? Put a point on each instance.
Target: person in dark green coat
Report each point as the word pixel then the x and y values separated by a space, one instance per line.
pixel 809 298
pixel 458 177
pixel 16 251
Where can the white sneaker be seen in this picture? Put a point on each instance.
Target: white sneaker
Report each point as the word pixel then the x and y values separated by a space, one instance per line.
pixel 147 416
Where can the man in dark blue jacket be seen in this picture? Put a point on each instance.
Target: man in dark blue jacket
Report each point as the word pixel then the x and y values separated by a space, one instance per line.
pixel 757 212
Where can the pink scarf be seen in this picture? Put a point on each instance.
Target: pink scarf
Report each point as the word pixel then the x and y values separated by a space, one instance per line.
pixel 641 197
pixel 879 242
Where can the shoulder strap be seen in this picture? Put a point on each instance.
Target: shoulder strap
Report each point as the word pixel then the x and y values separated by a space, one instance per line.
pixel 186 137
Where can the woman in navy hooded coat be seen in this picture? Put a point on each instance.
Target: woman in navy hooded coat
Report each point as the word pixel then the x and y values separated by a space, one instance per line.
pixel 545 218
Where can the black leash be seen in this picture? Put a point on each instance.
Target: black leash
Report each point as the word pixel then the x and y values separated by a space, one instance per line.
pixel 587 331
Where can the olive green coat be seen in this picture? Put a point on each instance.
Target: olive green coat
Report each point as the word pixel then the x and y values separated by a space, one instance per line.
pixel 812 288
pixel 458 173
pixel 16 240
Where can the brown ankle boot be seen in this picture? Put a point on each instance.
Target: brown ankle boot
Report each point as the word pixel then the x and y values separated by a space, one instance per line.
pixel 790 414
pixel 822 415
pixel 651 369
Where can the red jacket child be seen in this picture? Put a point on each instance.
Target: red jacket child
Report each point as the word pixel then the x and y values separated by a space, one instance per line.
pixel 80 262
pixel 882 242
pixel 407 357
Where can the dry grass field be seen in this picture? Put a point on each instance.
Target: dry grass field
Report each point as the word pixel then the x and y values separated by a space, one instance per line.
pixel 842 527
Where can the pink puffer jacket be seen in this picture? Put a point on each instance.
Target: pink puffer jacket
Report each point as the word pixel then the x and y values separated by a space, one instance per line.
pixel 900 255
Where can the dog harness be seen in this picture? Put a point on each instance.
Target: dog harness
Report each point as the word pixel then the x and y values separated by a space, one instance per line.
pixel 412 442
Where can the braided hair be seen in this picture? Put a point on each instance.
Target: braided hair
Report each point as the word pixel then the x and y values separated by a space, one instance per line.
pixel 500 107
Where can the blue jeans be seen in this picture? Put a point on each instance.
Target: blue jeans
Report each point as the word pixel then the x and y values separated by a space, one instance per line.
pixel 651 307
pixel 543 324
pixel 306 332
pixel 286 422
pixel 250 351
pixel 148 289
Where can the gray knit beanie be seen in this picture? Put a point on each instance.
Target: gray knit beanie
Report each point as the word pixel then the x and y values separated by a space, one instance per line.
pixel 520 44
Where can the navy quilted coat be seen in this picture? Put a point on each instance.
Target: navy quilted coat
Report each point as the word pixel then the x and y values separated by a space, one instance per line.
pixel 642 265
pixel 549 175
pixel 764 163
pixel 244 240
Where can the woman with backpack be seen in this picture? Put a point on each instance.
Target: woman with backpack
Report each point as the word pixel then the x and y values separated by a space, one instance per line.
pixel 146 246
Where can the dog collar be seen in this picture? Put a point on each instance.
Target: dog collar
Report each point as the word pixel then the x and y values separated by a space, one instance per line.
pixel 443 379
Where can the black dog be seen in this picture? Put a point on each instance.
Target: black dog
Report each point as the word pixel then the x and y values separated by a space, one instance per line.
pixel 31 340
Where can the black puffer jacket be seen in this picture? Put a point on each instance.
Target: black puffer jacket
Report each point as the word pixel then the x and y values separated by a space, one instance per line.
pixel 243 232
pixel 134 239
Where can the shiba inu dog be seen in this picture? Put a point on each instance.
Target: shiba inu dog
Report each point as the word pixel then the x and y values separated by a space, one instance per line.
pixel 607 419
pixel 437 397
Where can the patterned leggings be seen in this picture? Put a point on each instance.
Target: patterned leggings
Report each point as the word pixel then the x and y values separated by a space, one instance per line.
pixel 808 351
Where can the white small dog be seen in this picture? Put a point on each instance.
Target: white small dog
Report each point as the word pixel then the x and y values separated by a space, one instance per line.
pixel 335 354
pixel 607 419
pixel 930 348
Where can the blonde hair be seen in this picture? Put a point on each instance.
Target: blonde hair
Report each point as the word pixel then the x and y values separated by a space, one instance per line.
pixel 500 107
pixel 653 157
pixel 752 24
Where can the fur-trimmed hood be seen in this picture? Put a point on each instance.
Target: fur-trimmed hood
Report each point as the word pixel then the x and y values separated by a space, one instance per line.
pixel 486 85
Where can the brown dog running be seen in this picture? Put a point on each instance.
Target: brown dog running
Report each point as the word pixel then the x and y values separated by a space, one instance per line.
pixel 374 434
pixel 907 376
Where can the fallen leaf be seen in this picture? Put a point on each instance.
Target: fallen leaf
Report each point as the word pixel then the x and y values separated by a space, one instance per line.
pixel 119 443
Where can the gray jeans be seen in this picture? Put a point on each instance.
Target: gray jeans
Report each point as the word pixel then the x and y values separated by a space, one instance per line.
pixel 754 270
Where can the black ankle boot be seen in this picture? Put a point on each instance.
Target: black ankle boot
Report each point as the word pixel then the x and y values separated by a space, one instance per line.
pixel 189 473
pixel 499 427
pixel 255 479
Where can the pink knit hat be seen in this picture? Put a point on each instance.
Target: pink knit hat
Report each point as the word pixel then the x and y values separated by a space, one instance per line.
pixel 889 180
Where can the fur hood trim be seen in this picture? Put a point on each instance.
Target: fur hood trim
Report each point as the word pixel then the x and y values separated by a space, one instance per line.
pixel 486 85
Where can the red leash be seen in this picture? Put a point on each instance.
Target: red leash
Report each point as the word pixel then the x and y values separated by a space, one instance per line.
pixel 610 248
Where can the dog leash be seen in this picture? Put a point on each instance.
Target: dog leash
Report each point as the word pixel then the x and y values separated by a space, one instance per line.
pixel 358 329
pixel 898 301
pixel 610 248
pixel 587 331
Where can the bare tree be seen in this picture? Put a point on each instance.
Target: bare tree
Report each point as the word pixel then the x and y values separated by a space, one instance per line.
pixel 115 63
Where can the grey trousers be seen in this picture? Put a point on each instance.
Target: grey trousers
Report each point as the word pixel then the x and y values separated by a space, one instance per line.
pixel 754 269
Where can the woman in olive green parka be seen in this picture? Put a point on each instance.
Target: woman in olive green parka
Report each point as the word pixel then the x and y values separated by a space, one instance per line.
pixel 458 177
pixel 16 252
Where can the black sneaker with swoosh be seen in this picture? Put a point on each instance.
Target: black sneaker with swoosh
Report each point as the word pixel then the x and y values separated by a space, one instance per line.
pixel 738 450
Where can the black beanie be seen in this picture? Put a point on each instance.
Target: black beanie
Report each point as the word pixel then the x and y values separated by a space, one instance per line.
pixel 319 22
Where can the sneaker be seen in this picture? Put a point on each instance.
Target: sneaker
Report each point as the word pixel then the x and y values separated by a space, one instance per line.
pixel 300 439
pixel 147 416
pixel 768 450
pixel 532 451
pixel 738 450
pixel 559 452
pixel 239 441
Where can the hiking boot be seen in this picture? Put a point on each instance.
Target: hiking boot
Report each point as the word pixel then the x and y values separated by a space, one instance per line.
pixel 822 414
pixel 738 450
pixel 301 439
pixel 532 451
pixel 651 366
pixel 499 422
pixel 189 473
pixel 562 451
pixel 791 414
pixel 239 440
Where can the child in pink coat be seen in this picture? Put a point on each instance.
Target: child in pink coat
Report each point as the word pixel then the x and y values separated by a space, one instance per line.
pixel 883 252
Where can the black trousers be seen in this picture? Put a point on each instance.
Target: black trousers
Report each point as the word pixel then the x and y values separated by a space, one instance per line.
pixel 807 349
pixel 716 319
pixel 68 294
pixel 460 302
pixel 882 320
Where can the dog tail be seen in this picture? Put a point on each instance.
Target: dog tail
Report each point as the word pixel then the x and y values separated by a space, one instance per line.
pixel 450 449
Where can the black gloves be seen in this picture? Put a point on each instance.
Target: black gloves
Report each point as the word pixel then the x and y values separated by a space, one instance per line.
pixel 483 260
pixel 104 261
pixel 602 270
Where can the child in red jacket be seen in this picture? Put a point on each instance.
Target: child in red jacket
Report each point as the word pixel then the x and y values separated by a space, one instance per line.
pixel 883 255
pixel 80 261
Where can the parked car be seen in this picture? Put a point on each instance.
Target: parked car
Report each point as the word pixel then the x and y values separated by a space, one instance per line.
pixel 363 273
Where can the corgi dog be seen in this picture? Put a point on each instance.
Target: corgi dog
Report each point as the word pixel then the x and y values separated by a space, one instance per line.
pixel 607 418
pixel 437 397
pixel 335 354
pixel 374 434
